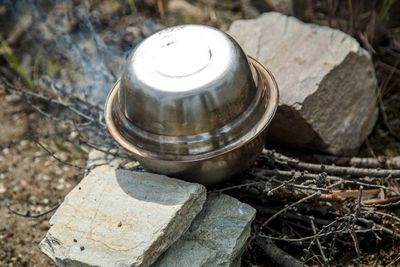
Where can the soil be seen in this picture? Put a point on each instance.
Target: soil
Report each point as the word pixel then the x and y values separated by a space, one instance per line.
pixel 30 180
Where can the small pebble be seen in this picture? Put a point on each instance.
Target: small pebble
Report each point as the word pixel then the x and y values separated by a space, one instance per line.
pixel 45 177
pixel 2 189
pixel 47 163
pixel 24 143
pixel 38 154
pixel 82 248
pixel 66 168
pixel 24 183
pixel 73 135
pixel 60 187
pixel 12 98
pixel 119 224
pixel 75 240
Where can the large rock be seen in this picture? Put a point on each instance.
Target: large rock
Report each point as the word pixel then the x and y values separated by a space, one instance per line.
pixel 326 80
pixel 216 237
pixel 121 218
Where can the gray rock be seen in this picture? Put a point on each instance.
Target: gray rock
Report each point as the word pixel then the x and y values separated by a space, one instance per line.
pixel 121 218
pixel 216 237
pixel 326 80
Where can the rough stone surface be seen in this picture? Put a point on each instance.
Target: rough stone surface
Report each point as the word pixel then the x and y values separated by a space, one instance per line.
pixel 216 237
pixel 326 80
pixel 121 218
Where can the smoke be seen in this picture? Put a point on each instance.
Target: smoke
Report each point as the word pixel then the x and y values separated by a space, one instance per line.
pixel 81 48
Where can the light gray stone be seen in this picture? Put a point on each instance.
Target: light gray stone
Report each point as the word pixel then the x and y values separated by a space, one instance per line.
pixel 326 80
pixel 216 237
pixel 121 218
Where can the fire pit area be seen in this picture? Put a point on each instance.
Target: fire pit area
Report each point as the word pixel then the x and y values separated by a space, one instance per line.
pixel 161 112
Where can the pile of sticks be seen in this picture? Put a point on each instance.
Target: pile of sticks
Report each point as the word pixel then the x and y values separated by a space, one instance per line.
pixel 321 209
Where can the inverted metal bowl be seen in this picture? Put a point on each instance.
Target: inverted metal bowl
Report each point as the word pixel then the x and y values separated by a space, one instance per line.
pixel 191 104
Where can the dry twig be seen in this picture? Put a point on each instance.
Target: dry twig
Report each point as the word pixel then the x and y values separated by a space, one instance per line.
pixel 277 255
pixel 29 214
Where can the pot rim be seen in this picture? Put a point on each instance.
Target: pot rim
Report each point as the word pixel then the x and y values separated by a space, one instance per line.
pixel 268 85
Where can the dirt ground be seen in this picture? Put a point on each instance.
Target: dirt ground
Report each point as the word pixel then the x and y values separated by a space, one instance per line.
pixel 30 180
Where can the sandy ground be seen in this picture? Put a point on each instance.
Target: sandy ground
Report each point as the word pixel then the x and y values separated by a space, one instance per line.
pixel 30 180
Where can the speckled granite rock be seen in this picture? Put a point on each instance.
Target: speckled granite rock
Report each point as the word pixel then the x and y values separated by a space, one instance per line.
pixel 216 237
pixel 121 218
pixel 326 80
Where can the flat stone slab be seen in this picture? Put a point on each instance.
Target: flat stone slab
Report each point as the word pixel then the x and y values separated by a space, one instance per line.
pixel 326 81
pixel 121 218
pixel 217 236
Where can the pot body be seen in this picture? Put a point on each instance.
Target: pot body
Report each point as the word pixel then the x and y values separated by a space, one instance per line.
pixel 192 105
pixel 211 170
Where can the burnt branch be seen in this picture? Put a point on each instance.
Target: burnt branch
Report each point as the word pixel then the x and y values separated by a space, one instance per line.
pixel 278 255
pixel 283 160
pixel 379 162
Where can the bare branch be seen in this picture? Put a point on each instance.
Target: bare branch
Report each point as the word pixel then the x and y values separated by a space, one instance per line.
pixel 277 255
pixel 52 154
pixel 331 169
pixel 28 214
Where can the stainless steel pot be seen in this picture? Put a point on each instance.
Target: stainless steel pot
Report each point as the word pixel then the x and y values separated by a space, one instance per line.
pixel 191 104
